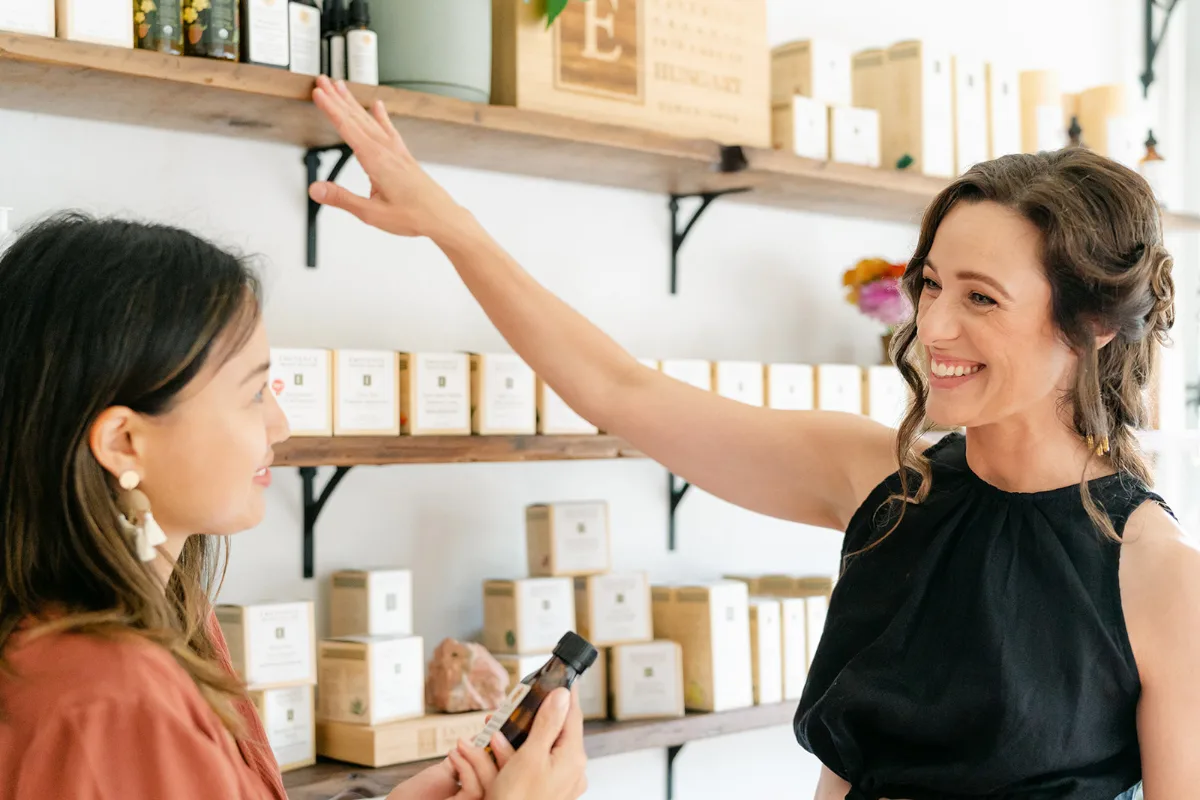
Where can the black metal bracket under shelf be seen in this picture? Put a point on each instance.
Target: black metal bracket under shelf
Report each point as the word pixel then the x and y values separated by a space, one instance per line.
pixel 675 493
pixel 672 754
pixel 733 159
pixel 1153 43
pixel 313 504
pixel 312 163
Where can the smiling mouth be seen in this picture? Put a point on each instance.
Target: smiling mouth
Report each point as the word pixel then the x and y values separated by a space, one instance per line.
pixel 944 369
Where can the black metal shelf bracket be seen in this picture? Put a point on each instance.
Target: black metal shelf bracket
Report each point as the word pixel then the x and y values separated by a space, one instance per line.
pixel 675 493
pixel 312 162
pixel 733 159
pixel 672 754
pixel 312 509
pixel 1153 43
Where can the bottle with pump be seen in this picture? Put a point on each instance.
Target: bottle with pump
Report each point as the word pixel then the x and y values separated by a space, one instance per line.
pixel 158 26
pixel 304 23
pixel 265 33
pixel 333 40
pixel 212 28
pixel 362 46
pixel 572 656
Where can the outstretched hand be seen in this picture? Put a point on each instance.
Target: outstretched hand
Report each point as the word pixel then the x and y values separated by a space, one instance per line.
pixel 404 200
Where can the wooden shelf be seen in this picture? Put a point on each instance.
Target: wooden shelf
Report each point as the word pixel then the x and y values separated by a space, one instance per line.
pixel 327 779
pixel 136 87
pixel 350 451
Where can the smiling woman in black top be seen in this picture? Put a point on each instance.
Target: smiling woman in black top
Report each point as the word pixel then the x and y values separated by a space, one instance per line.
pixel 1017 612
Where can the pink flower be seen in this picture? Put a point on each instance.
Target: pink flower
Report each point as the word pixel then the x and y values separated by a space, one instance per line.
pixel 884 300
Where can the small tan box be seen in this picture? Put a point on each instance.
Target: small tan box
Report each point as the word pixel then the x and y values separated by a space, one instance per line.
pixel 503 395
pixel 1106 117
pixel 766 653
pixel 271 644
pixel 919 120
pixel 613 608
pixel 528 615
pixel 789 387
pixel 366 400
pixel 568 539
pixel 97 21
pixel 371 680
pixel 868 80
pixel 374 602
pixel 1042 125
pixel 302 382
pixel 819 69
pixel 838 387
pixel 554 416
pixel 739 380
pixel 593 684
pixel 647 680
pixel 404 742
pixel 435 394
pixel 288 715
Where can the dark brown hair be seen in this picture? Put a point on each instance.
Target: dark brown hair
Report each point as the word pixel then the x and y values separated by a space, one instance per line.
pixel 96 314
pixel 1102 249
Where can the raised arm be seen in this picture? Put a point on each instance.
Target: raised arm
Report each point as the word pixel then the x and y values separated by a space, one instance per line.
pixel 813 467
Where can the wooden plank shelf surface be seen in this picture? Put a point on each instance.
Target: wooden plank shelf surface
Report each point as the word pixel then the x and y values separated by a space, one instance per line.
pixel 78 80
pixel 350 451
pixel 329 779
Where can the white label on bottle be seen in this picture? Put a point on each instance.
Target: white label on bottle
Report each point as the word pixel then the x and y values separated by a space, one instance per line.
pixel 23 16
pixel 267 28
pixel 363 47
pixel 305 39
pixel 281 644
pixel 398 678
pixel 337 58
pixel 501 714
pixel 288 718
pixel 1050 132
pixel 442 382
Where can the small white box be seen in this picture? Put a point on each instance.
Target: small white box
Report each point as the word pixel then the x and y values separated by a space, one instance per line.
pixel 691 371
pixel 739 380
pixel 365 397
pixel 789 387
pixel 554 416
pixel 369 680
pixel 838 387
pixel 766 650
pixel 593 684
pixel 613 608
pixel 288 715
pixel 1004 111
pixel 970 113
pixel 301 381
pixel 794 628
pixel 97 21
pixel 647 680
pixel 503 395
pixel 854 136
pixel 435 394
pixel 271 644
pixel 529 615
pixel 885 395
pixel 801 127
pixel 567 539
pixel 27 16
pixel 376 602
pixel 816 608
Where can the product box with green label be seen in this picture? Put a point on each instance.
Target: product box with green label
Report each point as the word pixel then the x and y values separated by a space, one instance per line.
pixel 567 539
pixel 503 395
pixel 375 602
pixel 366 401
pixel 271 644
pixel 647 680
pixel 301 381
pixel 435 394
pixel 403 742
pixel 528 615
pixel 371 680
pixel 613 608
pixel 289 719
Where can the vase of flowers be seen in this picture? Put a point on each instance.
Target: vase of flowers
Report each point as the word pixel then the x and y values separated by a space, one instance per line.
pixel 873 285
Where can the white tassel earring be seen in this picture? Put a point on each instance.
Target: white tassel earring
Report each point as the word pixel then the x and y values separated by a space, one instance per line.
pixel 136 519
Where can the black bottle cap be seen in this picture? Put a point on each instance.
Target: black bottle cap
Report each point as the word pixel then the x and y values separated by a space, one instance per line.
pixel 360 14
pixel 333 20
pixel 576 651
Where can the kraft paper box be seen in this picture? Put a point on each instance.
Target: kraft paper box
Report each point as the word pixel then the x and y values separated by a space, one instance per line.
pixel 766 650
pixel 1042 126
pixel 302 382
pixel 404 742
pixel 366 401
pixel 789 387
pixel 647 680
pixel 271 644
pixel 435 394
pixel 918 120
pixel 567 539
pixel 838 387
pixel 868 76
pixel 503 395
pixel 375 602
pixel 528 615
pixel 370 680
pixel 739 380
pixel 288 715
pixel 593 684
pixel 819 69
pixel 613 608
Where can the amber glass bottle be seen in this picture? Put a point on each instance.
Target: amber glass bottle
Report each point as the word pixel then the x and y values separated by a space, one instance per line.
pixel 158 25
pixel 572 656
pixel 213 28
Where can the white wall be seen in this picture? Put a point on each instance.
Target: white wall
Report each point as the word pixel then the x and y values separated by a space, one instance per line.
pixel 756 284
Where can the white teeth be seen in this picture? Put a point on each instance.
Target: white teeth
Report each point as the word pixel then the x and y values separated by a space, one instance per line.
pixel 958 370
pixel 952 371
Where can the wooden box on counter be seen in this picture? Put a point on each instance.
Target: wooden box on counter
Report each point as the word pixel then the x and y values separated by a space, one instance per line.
pixel 700 69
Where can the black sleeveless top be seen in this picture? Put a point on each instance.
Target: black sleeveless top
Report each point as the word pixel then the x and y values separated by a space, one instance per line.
pixel 980 651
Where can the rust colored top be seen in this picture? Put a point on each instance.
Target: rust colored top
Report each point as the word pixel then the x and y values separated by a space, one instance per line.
pixel 91 719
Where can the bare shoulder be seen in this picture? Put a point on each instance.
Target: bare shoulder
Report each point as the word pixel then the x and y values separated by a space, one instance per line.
pixel 1160 586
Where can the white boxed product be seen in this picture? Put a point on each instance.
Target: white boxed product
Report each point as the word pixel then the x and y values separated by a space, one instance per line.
pixel 369 680
pixel 613 608
pixel 503 395
pixel 1004 111
pixel 854 136
pixel 529 615
pixel 375 602
pixel 301 381
pixel 970 113
pixel 789 387
pixel 739 380
pixel 554 416
pixel 365 396
pixel 435 394
pixel 801 127
pixel 567 539
pixel 816 68
pixel 647 680
pixel 288 715
pixel 838 387
pixel 97 21
pixel 691 371
pixel 793 614
pixel 766 650
pixel 28 16
pixel 271 644
pixel 886 395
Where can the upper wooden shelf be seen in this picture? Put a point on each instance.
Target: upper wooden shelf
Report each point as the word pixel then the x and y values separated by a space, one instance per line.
pixel 137 87
pixel 349 451
pixel 328 779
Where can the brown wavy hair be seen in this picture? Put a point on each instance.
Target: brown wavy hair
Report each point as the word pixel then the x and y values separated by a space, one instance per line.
pixel 95 314
pixel 1102 249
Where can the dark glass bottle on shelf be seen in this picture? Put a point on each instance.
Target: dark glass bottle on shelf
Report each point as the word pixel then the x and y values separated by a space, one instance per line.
pixel 158 25
pixel 572 656
pixel 212 29
pixel 333 39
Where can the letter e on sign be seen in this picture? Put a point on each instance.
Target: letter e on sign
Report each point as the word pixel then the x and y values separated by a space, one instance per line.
pixel 598 48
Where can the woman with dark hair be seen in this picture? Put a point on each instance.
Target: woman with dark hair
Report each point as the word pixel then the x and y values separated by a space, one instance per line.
pixel 136 434
pixel 1017 611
